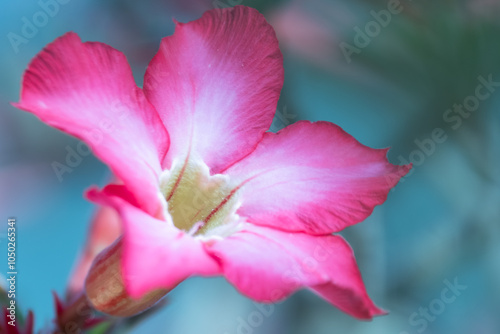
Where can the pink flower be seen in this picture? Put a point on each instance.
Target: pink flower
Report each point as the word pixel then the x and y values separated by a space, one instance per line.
pixel 206 190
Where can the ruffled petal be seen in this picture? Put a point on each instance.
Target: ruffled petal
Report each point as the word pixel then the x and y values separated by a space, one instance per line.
pixel 267 265
pixel 313 177
pixel 87 90
pixel 216 84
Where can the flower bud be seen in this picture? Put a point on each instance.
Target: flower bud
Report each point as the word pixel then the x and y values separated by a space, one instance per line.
pixel 105 286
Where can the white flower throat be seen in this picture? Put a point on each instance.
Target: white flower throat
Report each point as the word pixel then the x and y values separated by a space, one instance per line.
pixel 197 201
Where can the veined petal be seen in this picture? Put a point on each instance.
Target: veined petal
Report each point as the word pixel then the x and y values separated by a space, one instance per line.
pixel 268 265
pixel 87 90
pixel 156 255
pixel 216 84
pixel 313 177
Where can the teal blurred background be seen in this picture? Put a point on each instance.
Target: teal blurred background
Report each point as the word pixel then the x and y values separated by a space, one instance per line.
pixel 390 73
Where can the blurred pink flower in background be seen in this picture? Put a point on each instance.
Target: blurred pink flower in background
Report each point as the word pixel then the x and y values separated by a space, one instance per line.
pixel 306 34
pixel 104 229
pixel 206 190
pixel 311 31
pixel 489 8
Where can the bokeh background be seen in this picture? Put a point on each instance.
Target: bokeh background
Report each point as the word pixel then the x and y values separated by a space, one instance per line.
pixel 441 224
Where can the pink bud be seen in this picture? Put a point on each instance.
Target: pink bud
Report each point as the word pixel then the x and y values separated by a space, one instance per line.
pixel 105 286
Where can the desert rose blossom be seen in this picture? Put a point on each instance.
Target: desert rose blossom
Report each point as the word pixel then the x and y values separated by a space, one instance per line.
pixel 206 190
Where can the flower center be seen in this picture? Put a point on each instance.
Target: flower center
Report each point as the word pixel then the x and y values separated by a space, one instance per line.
pixel 197 201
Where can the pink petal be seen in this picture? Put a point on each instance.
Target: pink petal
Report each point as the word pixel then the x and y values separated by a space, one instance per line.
pixel 313 177
pixel 156 255
pixel 87 90
pixel 216 84
pixel 267 265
